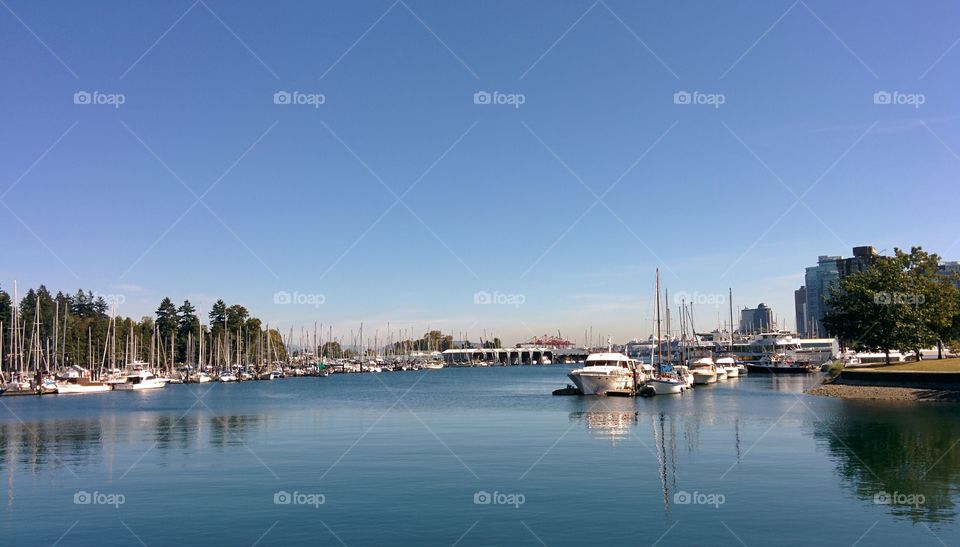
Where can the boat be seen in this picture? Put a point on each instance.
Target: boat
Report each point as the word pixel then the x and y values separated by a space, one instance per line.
pixel 729 365
pixel 683 371
pixel 141 379
pixel 721 373
pixel 780 363
pixel 666 385
pixel 47 387
pixel 432 366
pixel 605 372
pixel 227 377
pixel 704 371
pixel 77 380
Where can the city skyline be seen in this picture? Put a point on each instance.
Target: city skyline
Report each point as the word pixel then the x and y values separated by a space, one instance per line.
pixel 395 162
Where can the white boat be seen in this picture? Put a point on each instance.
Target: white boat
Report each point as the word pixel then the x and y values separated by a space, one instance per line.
pixel 141 380
pixel 228 377
pixel 704 371
pixel 432 366
pixel 200 378
pixel 80 385
pixel 604 372
pixel 666 385
pixel 729 365
pixel 684 372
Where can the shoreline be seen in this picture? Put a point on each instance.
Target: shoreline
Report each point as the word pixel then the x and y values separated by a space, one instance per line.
pixel 883 393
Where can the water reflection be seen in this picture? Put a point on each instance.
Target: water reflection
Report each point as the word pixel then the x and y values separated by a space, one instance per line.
pixel 77 444
pixel 906 458
pixel 610 421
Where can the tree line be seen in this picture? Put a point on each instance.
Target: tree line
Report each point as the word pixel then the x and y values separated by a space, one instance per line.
pixel 75 329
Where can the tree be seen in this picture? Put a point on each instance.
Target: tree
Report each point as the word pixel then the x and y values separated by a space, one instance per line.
pixel 188 324
pixel 236 317
pixel 900 302
pixel 217 316
pixel 331 349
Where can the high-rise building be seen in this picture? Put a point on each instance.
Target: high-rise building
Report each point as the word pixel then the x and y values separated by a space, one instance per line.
pixel 800 305
pixel 759 319
pixel 952 270
pixel 820 279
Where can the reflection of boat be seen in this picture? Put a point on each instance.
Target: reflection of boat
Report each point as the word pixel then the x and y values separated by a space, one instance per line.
pixel 779 363
pixel 607 424
pixel 704 371
pixel 604 372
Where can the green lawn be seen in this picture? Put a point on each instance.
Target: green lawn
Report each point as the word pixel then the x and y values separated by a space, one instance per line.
pixel 928 365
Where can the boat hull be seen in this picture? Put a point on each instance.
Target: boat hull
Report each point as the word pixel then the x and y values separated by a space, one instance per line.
pixel 701 379
pixel 732 372
pixel 70 389
pixel 600 384
pixel 667 387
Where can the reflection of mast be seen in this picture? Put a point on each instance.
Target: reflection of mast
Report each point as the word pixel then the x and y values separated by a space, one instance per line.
pixel 736 429
pixel 659 439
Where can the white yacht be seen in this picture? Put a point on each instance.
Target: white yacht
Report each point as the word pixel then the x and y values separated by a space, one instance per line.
pixel 729 365
pixel 665 385
pixel 141 379
pixel 704 371
pixel 75 379
pixel 604 372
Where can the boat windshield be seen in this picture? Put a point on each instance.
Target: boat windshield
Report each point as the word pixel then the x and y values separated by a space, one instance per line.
pixel 606 363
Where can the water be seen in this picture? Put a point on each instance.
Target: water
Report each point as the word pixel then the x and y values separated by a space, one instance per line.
pixel 403 459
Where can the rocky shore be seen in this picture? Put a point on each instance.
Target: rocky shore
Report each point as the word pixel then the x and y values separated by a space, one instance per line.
pixel 877 393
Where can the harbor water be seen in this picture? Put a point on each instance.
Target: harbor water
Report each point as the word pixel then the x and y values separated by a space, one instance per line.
pixel 482 456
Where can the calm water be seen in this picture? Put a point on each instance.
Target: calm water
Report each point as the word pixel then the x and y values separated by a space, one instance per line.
pixel 402 459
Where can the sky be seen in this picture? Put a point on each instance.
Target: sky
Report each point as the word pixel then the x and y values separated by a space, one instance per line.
pixel 489 168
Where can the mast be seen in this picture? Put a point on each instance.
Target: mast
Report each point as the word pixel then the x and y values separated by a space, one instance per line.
pixel 659 340
pixel 730 347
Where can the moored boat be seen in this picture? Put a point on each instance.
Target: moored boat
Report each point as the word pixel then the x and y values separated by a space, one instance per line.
pixel 141 380
pixel 604 372
pixel 704 371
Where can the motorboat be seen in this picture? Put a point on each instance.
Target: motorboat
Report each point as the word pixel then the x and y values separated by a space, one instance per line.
pixel 432 366
pixel 704 371
pixel 780 363
pixel 729 365
pixel 667 384
pixel 605 372
pixel 141 380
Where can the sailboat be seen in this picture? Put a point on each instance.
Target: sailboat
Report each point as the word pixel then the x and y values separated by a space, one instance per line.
pixel 664 382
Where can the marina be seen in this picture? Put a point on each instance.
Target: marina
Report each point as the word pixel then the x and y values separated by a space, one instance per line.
pixel 696 464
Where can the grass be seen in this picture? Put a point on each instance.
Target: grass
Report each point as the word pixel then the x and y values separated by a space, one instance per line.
pixel 927 365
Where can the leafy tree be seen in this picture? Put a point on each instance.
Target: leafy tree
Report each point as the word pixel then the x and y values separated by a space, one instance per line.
pixel 236 317
pixel 900 302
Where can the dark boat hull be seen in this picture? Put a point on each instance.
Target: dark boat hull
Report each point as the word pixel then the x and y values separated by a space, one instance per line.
pixel 760 369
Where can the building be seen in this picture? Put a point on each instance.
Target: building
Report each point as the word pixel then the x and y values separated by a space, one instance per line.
pixel 820 279
pixel 952 270
pixel 800 305
pixel 759 319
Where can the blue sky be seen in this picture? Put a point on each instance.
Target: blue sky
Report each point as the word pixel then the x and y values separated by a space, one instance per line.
pixel 399 199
